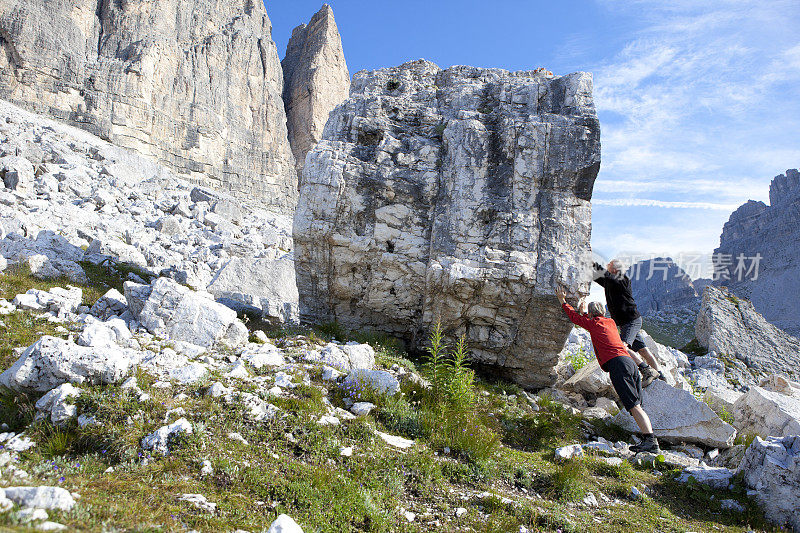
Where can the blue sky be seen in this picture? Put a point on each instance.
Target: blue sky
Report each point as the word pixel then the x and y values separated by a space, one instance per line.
pixel 698 100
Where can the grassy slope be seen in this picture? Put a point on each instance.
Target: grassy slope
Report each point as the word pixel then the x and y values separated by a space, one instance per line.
pixel 293 465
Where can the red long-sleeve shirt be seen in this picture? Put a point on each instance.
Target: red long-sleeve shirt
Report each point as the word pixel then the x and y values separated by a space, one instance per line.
pixel 605 337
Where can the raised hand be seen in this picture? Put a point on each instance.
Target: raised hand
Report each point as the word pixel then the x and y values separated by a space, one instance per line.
pixel 561 294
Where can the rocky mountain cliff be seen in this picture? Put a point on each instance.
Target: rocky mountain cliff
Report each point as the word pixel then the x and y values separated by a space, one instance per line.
pixel 731 326
pixel 659 285
pixel 316 80
pixel 459 196
pixel 195 85
pixel 771 232
pixel 667 298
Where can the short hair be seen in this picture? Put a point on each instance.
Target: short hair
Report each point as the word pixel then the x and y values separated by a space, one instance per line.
pixel 596 309
pixel 619 265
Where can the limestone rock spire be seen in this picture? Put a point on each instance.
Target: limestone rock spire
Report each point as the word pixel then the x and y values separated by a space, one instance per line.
pixel 316 80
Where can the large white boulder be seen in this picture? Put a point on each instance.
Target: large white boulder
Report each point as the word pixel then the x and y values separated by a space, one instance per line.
pixel 265 284
pixel 181 314
pixel 676 415
pixel 591 380
pixel 380 381
pixel 50 361
pixel 344 356
pixel 767 413
pixel 771 468
pixel 41 497
pixel 57 300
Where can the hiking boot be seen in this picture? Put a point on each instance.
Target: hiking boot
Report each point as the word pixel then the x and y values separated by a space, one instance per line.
pixel 662 377
pixel 648 374
pixel 649 444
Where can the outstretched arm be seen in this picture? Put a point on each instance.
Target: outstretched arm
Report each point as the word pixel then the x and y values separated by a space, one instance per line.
pixel 575 318
pixel 599 274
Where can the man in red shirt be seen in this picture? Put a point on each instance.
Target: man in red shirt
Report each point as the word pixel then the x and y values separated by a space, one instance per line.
pixel 613 356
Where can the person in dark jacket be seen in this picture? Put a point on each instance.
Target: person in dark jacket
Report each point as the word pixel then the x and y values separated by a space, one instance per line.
pixel 614 357
pixel 623 310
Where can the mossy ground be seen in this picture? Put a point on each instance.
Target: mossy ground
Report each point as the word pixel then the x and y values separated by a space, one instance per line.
pixel 292 464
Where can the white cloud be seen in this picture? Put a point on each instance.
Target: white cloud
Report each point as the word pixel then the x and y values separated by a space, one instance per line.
pixel 736 190
pixel 699 111
pixel 639 202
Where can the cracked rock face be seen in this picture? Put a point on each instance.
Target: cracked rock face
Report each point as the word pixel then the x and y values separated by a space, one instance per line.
pixel 195 84
pixel 730 325
pixel 771 467
pixel 771 231
pixel 460 196
pixel 316 80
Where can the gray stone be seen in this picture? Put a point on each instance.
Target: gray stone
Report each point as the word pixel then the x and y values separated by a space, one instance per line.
pixel 136 295
pixel 730 325
pixel 676 415
pixel 267 285
pixel 16 172
pixel 767 413
pixel 49 362
pixel 200 93
pixel 178 313
pixel 59 403
pixel 459 196
pixel 48 254
pixel 41 497
pixel 344 357
pixel 591 379
pixel 103 250
pixel 199 501
pixel 568 452
pixel 169 225
pixel 380 381
pixel 315 78
pixel 362 408
pixel 771 468
pixel 731 505
pixel 159 440
pixel 57 300
pixel 261 355
pixel 284 524
pixel 715 477
pixel 112 303
pixel 112 333
pixel 770 231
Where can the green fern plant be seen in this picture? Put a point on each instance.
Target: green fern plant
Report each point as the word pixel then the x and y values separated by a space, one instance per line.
pixel 460 378
pixel 435 366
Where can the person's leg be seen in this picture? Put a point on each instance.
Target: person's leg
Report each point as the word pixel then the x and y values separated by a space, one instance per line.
pixel 647 355
pixel 631 334
pixel 635 357
pixel 642 420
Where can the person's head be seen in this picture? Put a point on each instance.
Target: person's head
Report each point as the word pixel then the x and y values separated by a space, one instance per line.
pixel 596 309
pixel 615 266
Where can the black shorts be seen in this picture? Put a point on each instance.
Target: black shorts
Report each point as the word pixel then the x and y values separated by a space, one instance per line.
pixel 626 379
pixel 631 334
